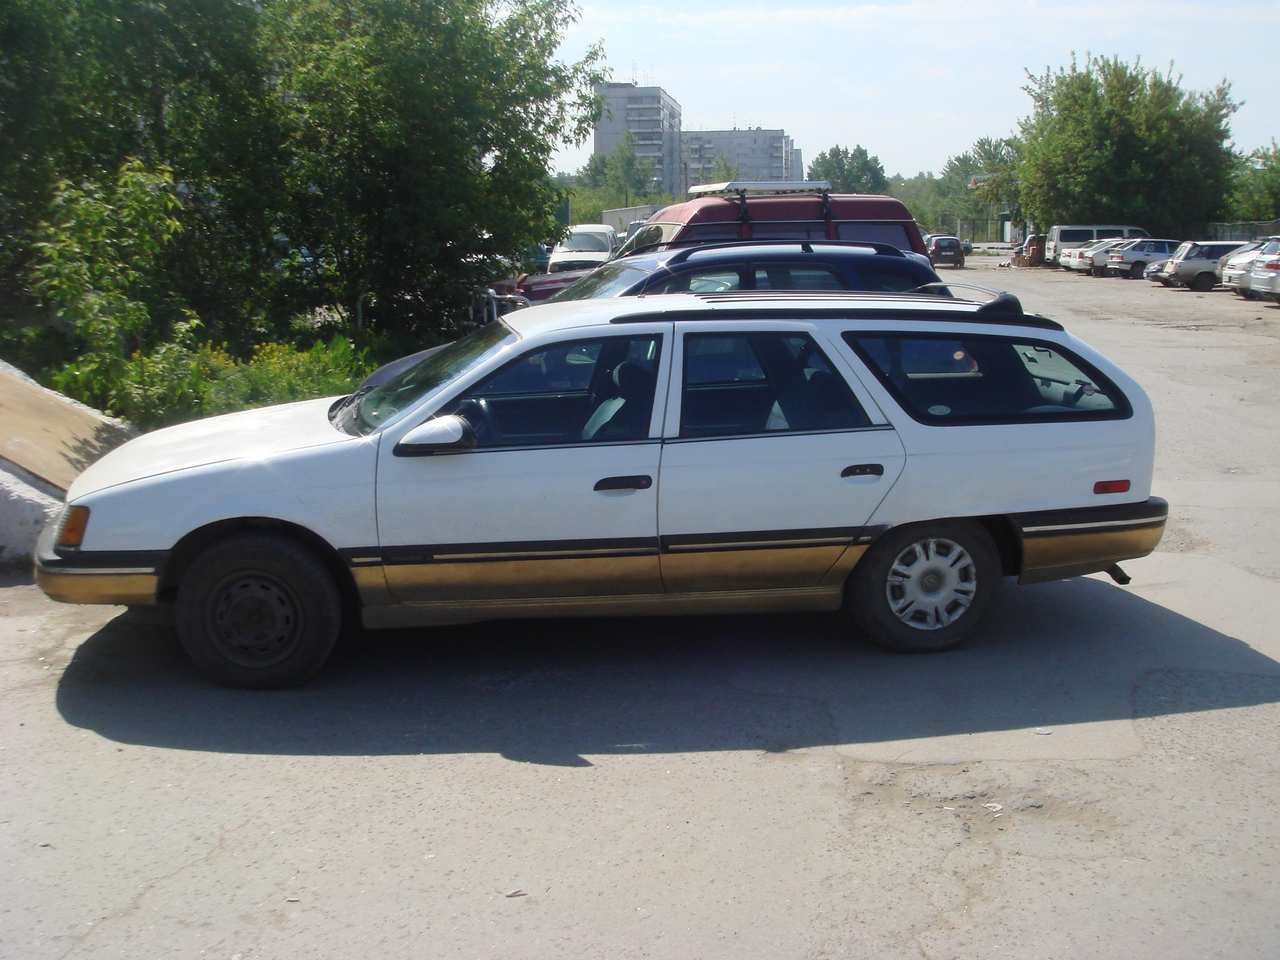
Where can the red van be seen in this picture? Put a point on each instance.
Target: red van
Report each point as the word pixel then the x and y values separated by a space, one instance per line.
pixel 782 210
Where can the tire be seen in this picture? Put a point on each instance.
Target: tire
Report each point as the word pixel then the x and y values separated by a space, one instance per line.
pixel 1203 283
pixel 873 586
pixel 258 611
pixel 1136 271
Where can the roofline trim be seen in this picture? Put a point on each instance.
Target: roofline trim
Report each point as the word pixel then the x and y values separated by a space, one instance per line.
pixel 844 312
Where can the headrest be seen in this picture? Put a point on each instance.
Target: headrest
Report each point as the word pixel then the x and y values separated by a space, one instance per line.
pixel 633 381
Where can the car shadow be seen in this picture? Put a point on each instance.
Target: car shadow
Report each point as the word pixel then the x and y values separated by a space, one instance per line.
pixel 556 691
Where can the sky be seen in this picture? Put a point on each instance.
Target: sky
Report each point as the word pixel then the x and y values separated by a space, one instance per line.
pixel 914 82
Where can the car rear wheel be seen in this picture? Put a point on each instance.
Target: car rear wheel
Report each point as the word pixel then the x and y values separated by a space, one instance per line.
pixel 923 588
pixel 1203 282
pixel 258 611
pixel 1136 271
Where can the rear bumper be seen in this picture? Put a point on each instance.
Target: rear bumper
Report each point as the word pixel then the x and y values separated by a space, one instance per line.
pixel 1068 543
pixel 130 578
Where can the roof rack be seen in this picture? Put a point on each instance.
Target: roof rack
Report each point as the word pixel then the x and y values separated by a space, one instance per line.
pixel 872 308
pixel 1001 300
pixel 806 246
pixel 744 187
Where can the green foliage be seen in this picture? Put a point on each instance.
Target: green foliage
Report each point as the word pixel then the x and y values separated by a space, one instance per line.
pixel 722 171
pixel 278 373
pixel 620 179
pixel 1255 191
pixel 94 262
pixel 1111 142
pixel 849 171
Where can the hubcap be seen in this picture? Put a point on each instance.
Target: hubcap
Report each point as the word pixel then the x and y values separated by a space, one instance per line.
pixel 255 619
pixel 931 584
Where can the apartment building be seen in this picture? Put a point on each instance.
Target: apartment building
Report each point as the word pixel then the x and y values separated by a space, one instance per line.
pixel 756 153
pixel 652 117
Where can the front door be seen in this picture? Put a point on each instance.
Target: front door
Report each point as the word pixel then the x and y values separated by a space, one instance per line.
pixel 559 496
pixel 771 464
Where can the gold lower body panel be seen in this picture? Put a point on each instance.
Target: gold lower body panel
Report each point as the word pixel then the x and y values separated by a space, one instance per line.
pixel 543 578
pixel 685 582
pixel 661 604
pixel 132 589
pixel 1071 554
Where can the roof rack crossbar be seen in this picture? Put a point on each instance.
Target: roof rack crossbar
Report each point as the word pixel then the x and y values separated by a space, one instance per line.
pixel 886 249
pixel 842 312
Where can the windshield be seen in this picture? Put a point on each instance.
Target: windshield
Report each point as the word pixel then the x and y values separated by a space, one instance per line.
pixel 585 243
pixel 611 280
pixel 367 412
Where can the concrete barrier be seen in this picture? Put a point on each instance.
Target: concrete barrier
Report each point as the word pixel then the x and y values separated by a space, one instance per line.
pixel 48 439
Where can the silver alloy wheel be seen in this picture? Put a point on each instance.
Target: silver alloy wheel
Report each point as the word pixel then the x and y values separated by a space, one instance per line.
pixel 931 583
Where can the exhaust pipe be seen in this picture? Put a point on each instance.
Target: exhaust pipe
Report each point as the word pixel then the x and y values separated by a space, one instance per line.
pixel 1118 575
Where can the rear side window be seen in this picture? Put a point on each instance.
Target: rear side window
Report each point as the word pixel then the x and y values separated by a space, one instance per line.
pixel 952 379
pixel 894 233
pixel 780 230
pixel 790 277
pixel 747 384
pixel 1079 236
pixel 1109 234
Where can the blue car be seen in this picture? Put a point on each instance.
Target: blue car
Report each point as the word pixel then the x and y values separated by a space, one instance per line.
pixel 757 265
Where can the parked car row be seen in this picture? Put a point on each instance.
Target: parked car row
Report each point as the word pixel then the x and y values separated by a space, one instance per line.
pixel 1251 269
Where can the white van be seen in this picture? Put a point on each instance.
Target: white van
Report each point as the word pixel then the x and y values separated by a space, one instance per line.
pixel 1066 236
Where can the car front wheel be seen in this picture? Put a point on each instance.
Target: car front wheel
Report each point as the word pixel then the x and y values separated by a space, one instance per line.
pixel 258 611
pixel 924 587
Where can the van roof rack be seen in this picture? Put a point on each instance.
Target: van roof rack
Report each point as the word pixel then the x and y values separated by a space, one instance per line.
pixel 765 187
pixel 806 246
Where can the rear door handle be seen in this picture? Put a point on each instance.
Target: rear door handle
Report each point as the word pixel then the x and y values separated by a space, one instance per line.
pixel 640 482
pixel 863 470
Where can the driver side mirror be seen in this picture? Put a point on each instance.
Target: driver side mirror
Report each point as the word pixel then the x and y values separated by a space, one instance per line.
pixel 448 434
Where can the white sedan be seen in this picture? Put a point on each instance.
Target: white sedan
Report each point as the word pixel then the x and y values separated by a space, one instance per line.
pixel 893 456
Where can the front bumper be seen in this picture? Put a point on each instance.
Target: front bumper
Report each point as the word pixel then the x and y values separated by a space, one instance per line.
pixel 1068 543
pixel 95 576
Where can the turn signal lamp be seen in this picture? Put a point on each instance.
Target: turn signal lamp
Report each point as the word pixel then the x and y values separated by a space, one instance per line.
pixel 74 522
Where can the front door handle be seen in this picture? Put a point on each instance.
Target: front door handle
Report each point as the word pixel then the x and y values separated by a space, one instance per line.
pixel 640 482
pixel 863 470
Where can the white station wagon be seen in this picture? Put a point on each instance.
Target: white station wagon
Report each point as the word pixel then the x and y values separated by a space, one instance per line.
pixel 891 455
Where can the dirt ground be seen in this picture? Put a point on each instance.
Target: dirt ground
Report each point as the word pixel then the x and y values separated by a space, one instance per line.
pixel 1096 776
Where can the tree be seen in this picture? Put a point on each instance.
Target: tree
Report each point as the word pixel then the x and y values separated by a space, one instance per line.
pixel 849 171
pixel 722 171
pixel 627 175
pixel 1255 191
pixel 417 138
pixel 1112 142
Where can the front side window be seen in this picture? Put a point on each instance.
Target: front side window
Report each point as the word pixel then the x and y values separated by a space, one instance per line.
pixel 948 379
pixel 583 391
pixel 747 384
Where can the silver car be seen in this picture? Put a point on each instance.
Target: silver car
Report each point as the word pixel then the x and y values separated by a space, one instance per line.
pixel 1195 263
pixel 1264 274
pixel 1235 272
pixel 1131 259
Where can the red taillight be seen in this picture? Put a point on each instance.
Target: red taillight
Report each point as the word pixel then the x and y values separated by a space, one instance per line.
pixel 1273 265
pixel 1111 486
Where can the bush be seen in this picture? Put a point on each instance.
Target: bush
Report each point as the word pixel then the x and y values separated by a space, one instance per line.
pixel 279 373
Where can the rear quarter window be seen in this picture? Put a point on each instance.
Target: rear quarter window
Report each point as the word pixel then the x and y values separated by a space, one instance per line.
pixel 966 379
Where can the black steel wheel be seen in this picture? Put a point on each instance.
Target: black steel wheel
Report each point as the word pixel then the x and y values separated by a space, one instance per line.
pixel 258 611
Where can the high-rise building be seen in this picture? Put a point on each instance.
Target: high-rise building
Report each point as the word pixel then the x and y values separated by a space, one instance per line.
pixel 652 117
pixel 756 153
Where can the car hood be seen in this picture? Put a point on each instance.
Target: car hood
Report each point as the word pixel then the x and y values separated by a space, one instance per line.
pixel 248 435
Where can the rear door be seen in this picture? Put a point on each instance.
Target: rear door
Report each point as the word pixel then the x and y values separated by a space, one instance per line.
pixel 773 459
